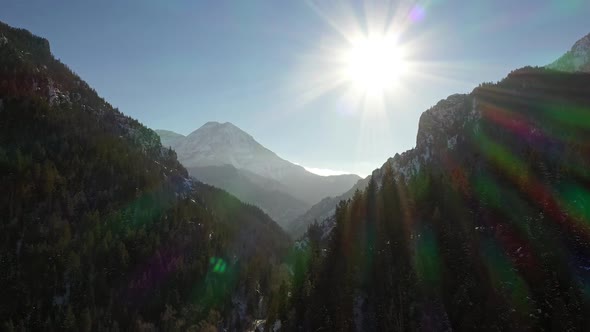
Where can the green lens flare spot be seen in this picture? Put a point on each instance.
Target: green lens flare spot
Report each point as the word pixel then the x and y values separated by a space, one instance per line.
pixel 218 264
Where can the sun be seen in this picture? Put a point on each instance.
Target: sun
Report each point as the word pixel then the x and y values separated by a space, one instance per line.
pixel 374 65
pixel 371 58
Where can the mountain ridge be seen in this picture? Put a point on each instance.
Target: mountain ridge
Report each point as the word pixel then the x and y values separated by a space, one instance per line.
pixel 444 120
pixel 221 144
pixel 267 194
pixel 168 138
pixel 483 225
pixel 102 224
pixel 577 59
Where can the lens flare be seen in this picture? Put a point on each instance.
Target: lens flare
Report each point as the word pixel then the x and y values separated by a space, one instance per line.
pixel 374 64
pixel 417 13
pixel 218 264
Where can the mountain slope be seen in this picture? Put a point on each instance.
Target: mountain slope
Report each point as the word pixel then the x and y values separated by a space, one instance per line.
pixel 436 125
pixel 218 144
pixel 575 60
pixel 484 225
pixel 322 210
pixel 169 138
pixel 254 189
pixel 102 229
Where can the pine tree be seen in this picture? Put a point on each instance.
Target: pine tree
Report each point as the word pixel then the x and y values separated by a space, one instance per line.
pixel 69 321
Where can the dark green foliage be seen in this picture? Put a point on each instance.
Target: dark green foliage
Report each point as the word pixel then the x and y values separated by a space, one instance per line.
pixel 493 235
pixel 100 228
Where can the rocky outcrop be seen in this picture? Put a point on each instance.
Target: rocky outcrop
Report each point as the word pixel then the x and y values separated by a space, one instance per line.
pixel 575 60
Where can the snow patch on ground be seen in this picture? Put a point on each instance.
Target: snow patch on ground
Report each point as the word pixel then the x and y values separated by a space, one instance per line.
pixel 474 113
pixel 239 306
pixel 357 310
pixel 451 142
pixel 55 95
pixel 258 325
pixel 277 326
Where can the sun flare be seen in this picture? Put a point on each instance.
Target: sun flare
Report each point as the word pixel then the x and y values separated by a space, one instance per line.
pixel 372 60
pixel 374 65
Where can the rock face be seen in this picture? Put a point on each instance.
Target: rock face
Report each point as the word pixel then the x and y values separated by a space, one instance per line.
pixel 575 60
pixel 42 76
pixel 256 168
pixel 107 173
pixel 439 130
pixel 444 128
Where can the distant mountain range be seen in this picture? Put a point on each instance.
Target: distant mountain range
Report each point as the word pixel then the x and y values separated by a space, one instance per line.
pixel 254 189
pixel 484 225
pixel 216 144
pixel 225 156
pixel 169 138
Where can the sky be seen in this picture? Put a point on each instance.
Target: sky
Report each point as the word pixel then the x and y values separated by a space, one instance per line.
pixel 266 66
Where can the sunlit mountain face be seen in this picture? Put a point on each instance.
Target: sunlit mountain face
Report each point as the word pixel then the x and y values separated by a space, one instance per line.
pixel 482 216
pixel 469 125
pixel 224 156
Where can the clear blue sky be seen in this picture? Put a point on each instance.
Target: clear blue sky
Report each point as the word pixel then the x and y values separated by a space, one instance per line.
pixel 178 64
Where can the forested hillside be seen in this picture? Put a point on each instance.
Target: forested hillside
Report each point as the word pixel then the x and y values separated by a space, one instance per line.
pixel 489 233
pixel 484 225
pixel 101 227
pixel 267 194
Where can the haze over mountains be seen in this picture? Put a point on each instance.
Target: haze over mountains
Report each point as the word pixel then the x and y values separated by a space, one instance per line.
pixel 484 225
pixel 100 220
pixel 223 155
pixel 439 131
pixel 293 212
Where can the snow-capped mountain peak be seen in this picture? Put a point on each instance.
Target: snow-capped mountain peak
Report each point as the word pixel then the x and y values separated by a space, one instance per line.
pixel 215 133
pixel 219 144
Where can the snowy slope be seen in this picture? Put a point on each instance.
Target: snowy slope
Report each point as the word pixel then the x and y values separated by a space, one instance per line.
pixel 223 143
pixel 219 144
